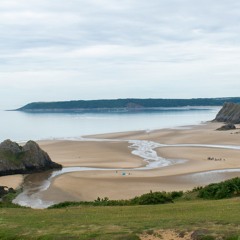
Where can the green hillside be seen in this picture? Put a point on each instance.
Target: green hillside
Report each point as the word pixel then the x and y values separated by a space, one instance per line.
pixel 130 103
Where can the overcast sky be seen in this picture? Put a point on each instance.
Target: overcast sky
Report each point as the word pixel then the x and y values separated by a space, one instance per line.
pixel 54 50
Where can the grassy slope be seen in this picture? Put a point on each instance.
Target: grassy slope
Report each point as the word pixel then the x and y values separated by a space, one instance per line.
pixel 218 216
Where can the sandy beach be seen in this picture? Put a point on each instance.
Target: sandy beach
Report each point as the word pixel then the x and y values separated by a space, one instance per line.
pixel 13 181
pixel 116 153
pixel 121 178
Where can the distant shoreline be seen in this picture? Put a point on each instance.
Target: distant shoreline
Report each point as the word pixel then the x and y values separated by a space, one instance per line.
pixel 116 110
pixel 123 104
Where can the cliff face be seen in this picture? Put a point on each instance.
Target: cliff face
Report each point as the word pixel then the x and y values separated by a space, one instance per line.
pixel 230 113
pixel 15 159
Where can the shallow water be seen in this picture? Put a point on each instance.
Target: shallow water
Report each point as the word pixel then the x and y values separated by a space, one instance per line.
pixel 21 126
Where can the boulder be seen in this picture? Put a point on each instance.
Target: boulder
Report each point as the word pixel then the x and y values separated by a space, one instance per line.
pixel 15 159
pixel 229 126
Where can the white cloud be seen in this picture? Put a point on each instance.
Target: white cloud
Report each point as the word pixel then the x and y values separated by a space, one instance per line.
pixel 107 49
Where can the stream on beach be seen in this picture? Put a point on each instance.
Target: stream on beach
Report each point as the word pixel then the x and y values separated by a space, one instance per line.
pixel 35 184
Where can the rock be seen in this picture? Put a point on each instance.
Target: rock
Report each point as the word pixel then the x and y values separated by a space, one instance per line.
pixel 230 113
pixel 8 145
pixel 229 126
pixel 15 159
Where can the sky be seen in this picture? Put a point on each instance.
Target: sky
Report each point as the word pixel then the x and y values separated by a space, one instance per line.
pixel 55 50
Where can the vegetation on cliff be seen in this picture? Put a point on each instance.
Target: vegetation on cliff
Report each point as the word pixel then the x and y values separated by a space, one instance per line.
pixel 129 103
pixel 16 159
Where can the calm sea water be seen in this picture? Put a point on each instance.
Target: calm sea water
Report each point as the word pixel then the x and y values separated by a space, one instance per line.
pixel 21 126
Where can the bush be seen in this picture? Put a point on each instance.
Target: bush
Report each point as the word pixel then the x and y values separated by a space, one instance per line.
pixel 153 198
pixel 226 189
pixel 175 194
pixel 145 199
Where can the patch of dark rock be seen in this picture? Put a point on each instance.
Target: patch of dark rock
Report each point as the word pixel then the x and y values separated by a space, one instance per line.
pixel 226 127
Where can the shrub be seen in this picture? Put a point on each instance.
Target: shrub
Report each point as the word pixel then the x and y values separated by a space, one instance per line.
pixel 145 199
pixel 226 189
pixel 153 198
pixel 175 194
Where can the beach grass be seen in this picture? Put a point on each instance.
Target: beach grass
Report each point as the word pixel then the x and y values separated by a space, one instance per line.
pixel 218 217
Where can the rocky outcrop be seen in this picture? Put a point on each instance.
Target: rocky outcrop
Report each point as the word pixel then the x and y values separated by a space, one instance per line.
pixel 228 126
pixel 230 113
pixel 15 159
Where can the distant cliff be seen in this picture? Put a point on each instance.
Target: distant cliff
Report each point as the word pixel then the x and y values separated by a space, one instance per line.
pixel 15 159
pixel 129 104
pixel 230 113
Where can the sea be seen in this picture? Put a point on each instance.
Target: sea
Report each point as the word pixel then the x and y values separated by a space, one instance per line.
pixel 23 126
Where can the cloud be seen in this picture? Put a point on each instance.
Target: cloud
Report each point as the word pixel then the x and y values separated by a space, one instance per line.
pixel 107 49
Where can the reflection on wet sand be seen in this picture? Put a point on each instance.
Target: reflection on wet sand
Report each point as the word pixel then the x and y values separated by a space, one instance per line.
pixel 33 185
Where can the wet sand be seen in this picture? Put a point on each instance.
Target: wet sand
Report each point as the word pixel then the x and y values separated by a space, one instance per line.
pixel 113 154
pixel 13 181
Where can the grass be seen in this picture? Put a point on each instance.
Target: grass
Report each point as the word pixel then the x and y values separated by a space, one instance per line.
pixel 219 217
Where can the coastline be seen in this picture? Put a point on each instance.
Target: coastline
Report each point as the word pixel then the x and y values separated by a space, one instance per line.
pixel 89 185
pixel 114 151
